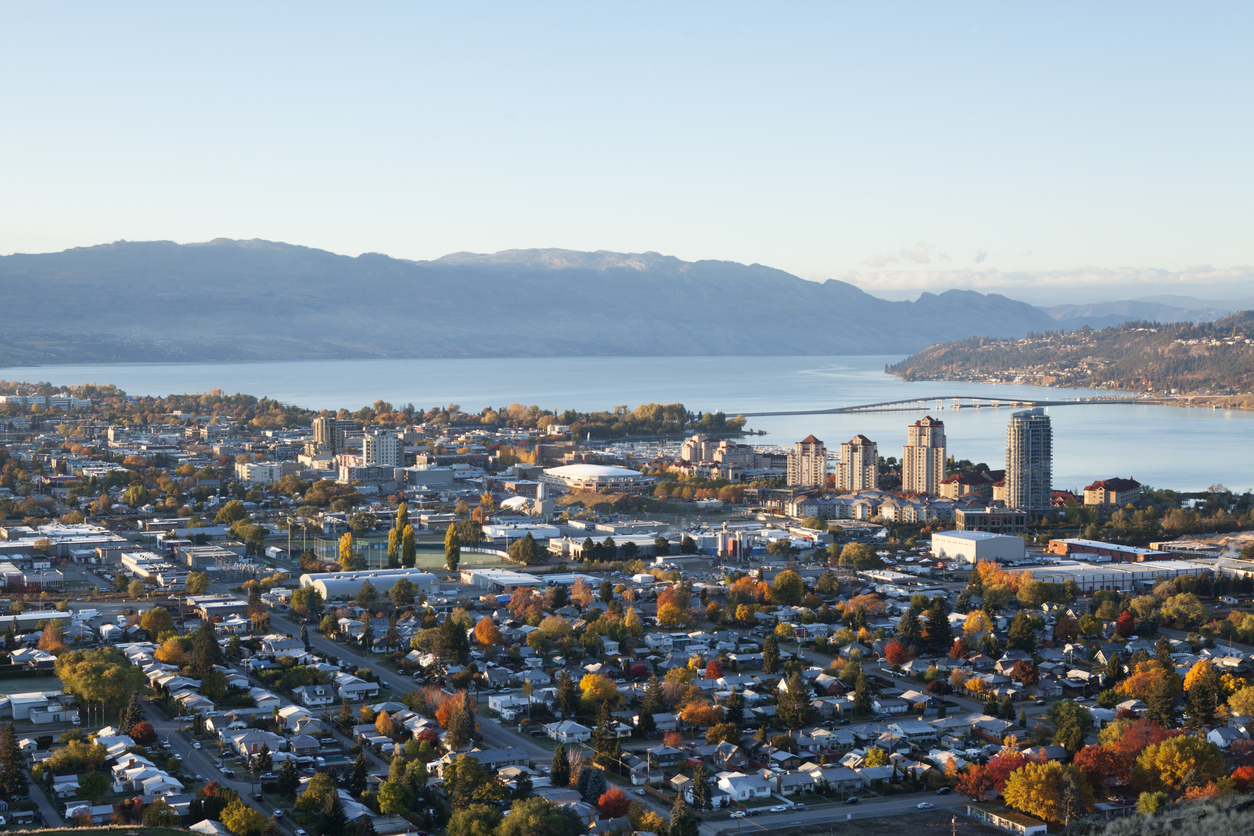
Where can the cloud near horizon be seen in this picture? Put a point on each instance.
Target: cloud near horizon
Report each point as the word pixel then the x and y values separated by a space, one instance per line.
pixel 920 253
pixel 1087 277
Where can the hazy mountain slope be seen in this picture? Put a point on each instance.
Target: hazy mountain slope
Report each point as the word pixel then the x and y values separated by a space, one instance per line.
pixel 1160 309
pixel 228 300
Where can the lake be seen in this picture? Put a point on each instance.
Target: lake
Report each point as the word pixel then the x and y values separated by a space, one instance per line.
pixel 1161 446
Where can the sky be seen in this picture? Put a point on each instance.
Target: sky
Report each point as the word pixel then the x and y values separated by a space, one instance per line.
pixel 1052 151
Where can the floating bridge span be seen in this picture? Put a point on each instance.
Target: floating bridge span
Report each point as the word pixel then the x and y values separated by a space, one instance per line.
pixel 953 402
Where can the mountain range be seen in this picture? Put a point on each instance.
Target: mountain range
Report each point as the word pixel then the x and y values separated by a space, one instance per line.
pixel 230 300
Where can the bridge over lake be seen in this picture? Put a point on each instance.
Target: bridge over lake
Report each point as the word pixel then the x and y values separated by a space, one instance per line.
pixel 939 404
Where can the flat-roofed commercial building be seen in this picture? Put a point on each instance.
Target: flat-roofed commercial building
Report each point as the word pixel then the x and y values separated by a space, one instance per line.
pixel 973 546
pixel 1119 576
pixel 335 585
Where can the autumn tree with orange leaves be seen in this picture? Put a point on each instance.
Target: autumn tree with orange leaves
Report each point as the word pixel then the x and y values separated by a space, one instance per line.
pixel 486 632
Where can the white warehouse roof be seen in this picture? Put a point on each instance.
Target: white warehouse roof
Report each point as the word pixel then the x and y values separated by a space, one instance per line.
pixel 587 471
pixel 345 584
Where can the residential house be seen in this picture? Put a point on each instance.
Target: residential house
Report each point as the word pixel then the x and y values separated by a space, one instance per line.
pixel 568 731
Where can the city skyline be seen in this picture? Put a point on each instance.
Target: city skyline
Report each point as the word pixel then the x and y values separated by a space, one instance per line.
pixel 869 144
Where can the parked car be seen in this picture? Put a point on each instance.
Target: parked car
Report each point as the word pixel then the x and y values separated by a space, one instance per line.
pixel 926 805
pixel 739 814
pixel 779 808
pixel 639 792
pixel 944 790
pixel 269 776
pixel 853 799
pixel 278 814
pixel 196 744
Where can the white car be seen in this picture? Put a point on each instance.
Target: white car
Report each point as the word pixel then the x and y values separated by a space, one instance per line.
pixel 926 805
pixel 779 808
pixel 196 744
pixel 300 832
pixel 739 814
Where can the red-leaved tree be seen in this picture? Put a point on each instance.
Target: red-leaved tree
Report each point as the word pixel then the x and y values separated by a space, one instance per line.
pixel 714 670
pixel 896 653
pixel 143 733
pixel 1125 625
pixel 613 804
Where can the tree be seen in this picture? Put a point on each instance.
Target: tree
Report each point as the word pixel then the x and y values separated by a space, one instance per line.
pixel 102 675
pixel 451 643
pixel 289 779
pixel 317 792
pixel 52 640
pixel 133 714
pixel 613 804
pixel 896 653
pixel 525 551
pixel 136 588
pixel 605 737
pixel 683 822
pixel 787 588
pixel 143 733
pixel 567 698
pixel 861 699
pixel 158 814
pixel 306 601
pixel 394 797
pixel 539 817
pixel 409 547
pixel 334 820
pixel 1038 789
pixel 1025 673
pixel 243 820
pixel 1071 725
pixel 910 630
pixel 486 632
pixel 263 761
pixel 206 652
pixel 559 769
pixel 793 707
pixel 1204 687
pixel 1021 636
pixel 475 820
pixel 12 764
pixel 1242 702
pixel 347 555
pixel 1176 763
pixel 1149 803
pixel 770 655
pixel 591 783
pixel 93 785
pixel 452 549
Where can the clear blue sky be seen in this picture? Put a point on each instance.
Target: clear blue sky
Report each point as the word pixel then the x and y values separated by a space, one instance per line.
pixel 898 145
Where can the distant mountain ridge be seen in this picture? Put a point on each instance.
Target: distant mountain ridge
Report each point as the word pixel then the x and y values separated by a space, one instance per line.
pixel 227 300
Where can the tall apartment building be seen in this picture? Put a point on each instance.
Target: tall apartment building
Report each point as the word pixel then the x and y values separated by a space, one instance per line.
pixel 329 433
pixel 923 457
pixel 1029 461
pixel 807 463
pixel 380 448
pixel 859 465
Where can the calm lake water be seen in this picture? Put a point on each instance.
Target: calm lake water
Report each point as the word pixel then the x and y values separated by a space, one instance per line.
pixel 1185 449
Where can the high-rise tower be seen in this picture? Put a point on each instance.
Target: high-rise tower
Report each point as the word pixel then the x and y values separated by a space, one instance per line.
pixel 859 465
pixel 1029 461
pixel 923 457
pixel 807 464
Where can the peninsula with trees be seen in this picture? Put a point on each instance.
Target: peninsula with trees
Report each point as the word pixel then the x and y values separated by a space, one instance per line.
pixel 1213 361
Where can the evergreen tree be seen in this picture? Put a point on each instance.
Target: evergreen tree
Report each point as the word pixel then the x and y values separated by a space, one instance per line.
pixel 523 786
pixel 700 789
pixel 683 822
pixel 910 631
pixel 334 821
pixel 304 637
pixel 1113 670
pixel 1023 718
pixel 990 705
pixel 861 699
pixel 940 636
pixel 367 636
pixel 1205 696
pixel 653 702
pixel 1020 636
pixel 567 696
pixel 12 764
pixel 793 706
pixel 206 652
pixel 402 516
pixel 262 761
pixel 770 655
pixel 458 733
pixel 1161 704
pixel 469 720
pixel 1006 709
pixel 364 827
pixel 1162 652
pixel 963 604
pixel 357 778
pixel 345 715
pixel 133 714
pixel 559 770
pixel 646 726
pixel 734 710
pixel 452 549
pixel 289 779
pixel 452 644
pixel 605 738
pixel 591 784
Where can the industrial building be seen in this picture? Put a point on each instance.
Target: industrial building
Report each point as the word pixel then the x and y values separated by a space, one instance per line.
pixel 28 622
pixel 973 546
pixel 336 585
pixel 1121 576
pixel 1099 552
pixel 499 580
